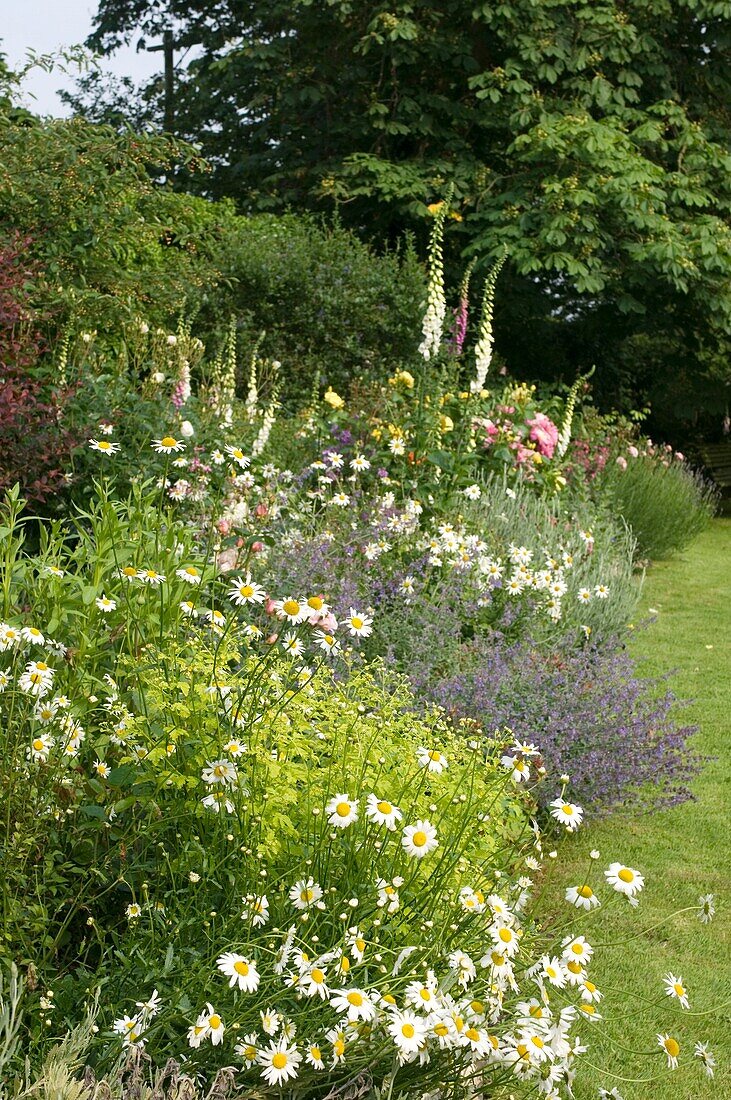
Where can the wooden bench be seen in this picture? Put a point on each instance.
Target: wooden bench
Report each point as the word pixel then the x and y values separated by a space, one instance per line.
pixel 717 458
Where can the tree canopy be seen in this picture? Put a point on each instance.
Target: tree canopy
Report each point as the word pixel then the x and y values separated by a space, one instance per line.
pixel 589 136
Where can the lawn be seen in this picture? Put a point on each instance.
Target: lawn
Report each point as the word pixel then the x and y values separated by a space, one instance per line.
pixel 684 852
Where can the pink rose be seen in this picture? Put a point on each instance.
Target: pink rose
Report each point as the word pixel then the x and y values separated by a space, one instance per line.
pixel 633 452
pixel 622 462
pixel 257 547
pixel 544 434
pixel 680 456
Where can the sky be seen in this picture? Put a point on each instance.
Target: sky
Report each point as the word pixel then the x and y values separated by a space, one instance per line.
pixel 47 25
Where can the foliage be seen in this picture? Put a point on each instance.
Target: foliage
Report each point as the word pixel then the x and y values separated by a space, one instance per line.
pixel 113 244
pixel 665 502
pixel 591 139
pixel 35 444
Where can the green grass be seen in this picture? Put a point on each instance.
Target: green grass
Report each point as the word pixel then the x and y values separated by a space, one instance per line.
pixel 683 853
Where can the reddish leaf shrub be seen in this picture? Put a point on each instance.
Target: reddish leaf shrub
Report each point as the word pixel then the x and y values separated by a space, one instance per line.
pixel 34 444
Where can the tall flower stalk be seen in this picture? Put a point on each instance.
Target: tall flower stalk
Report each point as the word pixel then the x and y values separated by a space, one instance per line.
pixel 436 303
pixel 564 436
pixel 485 341
pixel 459 324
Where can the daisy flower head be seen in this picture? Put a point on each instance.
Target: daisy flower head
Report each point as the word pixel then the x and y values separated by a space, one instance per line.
pixel 294 611
pixel 381 812
pixel 420 839
pixel 280 1062
pixel 248 1048
pixel 305 893
pixel 238 456
pixel 359 464
pixel 212 1024
pixel 243 591
pixel 256 909
pixel 518 767
pixel 189 608
pixel 584 595
pixel 292 645
pixel 313 1056
pixel 408 1031
pixel 577 950
pixel 359 625
pixel 189 574
pixel 167 445
pixel 105 604
pixel 706 1057
pixel 104 446
pixel 472 492
pixel 675 988
pixel 328 643
pixel 133 911
pixel 242 972
pixel 150 576
pixel 9 637
pixel 567 813
pixel 553 971
pixel 342 811
pixel 220 771
pixel 431 759
pixel 582 897
pixel 355 1003
pixel 32 635
pixel 101 769
pixel 707 908
pixel 313 982
pixel 625 880
pixel 671 1047
pixel 41 746
pixel 388 894
pixel 44 712
pixel 601 591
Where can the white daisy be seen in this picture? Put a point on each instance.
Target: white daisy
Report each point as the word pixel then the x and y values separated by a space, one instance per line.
pixel 382 813
pixel 241 971
pixel 342 811
pixel 420 839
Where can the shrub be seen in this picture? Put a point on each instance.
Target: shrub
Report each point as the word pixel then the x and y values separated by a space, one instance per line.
pixel 35 446
pixel 665 502
pixel 615 733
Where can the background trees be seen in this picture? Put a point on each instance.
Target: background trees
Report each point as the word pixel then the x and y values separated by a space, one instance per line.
pixel 590 137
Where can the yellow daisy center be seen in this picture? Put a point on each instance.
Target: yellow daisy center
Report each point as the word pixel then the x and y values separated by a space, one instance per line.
pixel 38 744
pixel 679 989
pixel 589 987
pixel 473 1034
pixel 306 894
pixel 355 999
pixel 279 1060
pixel 342 809
pixel 419 839
pixel 672 1046
pixel 241 968
pixel 537 1041
pixel 567 809
pixel 574 966
pixel 505 935
pixel 246 591
pixel 290 607
pixel 339 1047
pixel 585 892
pixel 356 622
pixel 441 1030
pixel 315 1052
pixel 168 441
pixel 626 875
pixel 129 571
pixel 345 964
pixel 317 976
pixel 384 807
pixel 408 1030
pixel 316 603
pixel 577 949
pixel 434 755
pixel 214 1021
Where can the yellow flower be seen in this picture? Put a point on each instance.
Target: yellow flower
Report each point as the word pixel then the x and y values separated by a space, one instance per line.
pixel 435 207
pixel 334 400
pixel 456 216
pixel 446 424
pixel 402 378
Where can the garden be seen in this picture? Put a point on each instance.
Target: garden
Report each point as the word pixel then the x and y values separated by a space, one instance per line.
pixel 362 701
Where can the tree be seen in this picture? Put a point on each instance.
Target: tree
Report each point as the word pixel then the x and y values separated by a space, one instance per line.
pixel 589 136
